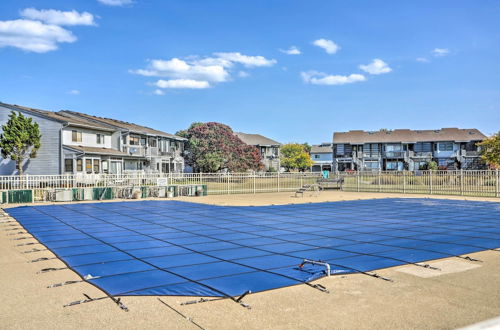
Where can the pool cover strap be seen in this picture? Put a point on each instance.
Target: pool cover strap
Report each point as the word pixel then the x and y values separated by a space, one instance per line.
pixel 117 301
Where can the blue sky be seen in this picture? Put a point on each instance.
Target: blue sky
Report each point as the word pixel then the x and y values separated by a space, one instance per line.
pixel 166 63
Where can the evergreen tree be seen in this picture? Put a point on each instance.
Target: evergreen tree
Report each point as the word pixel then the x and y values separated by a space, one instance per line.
pixel 20 139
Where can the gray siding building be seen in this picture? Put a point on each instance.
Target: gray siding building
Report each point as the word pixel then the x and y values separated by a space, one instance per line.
pixel 48 160
pixel 76 143
pixel 404 149
pixel 269 149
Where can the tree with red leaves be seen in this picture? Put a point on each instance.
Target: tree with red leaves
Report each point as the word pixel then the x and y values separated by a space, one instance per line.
pixel 213 147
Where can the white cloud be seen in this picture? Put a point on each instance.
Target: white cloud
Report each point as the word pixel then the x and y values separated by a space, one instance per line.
pixel 377 66
pixel 33 36
pixel 320 78
pixel 182 83
pixel 57 17
pixel 248 61
pixel 422 60
pixel 74 92
pixel 180 69
pixel 158 92
pixel 200 72
pixel 329 46
pixel 440 52
pixel 115 2
pixel 291 51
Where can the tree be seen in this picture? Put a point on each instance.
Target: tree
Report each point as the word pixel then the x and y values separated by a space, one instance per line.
pixel 20 139
pixel 295 157
pixel 213 147
pixel 432 165
pixel 490 150
pixel 307 147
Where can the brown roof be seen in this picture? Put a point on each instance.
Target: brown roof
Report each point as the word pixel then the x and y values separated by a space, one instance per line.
pixel 80 122
pixel 99 151
pixel 134 128
pixel 408 136
pixel 256 139
pixel 324 148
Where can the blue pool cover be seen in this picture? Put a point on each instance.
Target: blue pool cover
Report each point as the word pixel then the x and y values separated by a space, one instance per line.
pixel 190 249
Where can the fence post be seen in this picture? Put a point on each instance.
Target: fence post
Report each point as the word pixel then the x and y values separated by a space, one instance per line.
pixel 404 182
pixel 357 179
pixel 430 181
pixel 279 181
pixel 379 181
pixel 497 184
pixel 254 182
pixel 461 182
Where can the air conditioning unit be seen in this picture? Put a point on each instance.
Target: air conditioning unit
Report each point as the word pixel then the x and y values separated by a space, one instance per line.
pixel 88 194
pixel 64 195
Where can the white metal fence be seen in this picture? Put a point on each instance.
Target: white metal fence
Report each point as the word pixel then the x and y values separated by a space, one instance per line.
pixel 466 183
pixel 217 183
pixel 460 182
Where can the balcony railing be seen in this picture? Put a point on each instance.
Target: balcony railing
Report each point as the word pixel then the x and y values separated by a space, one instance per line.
pixel 394 154
pixel 467 153
pixel 419 154
pixel 368 154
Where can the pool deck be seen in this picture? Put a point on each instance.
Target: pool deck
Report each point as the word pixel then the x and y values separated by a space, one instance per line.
pixel 464 292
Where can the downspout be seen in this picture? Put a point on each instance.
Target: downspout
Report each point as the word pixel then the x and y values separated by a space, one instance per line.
pixel 61 152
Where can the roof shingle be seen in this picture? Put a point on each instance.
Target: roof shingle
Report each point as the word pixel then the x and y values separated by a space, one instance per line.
pixel 408 136
pixel 256 139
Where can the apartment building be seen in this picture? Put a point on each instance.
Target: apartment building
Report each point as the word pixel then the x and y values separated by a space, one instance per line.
pixel 404 149
pixel 269 149
pixel 79 143
pixel 322 157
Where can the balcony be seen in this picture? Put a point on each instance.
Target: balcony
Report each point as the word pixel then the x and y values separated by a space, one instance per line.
pixel 134 150
pixel 394 154
pixel 467 153
pixel 415 154
pixel 167 153
pixel 369 155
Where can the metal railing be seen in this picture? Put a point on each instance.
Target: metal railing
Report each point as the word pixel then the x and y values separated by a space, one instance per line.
pixel 457 182
pixel 460 182
pixel 217 183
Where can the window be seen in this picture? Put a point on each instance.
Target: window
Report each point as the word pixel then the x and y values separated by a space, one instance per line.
pixel 76 136
pixel 96 165
pixel 340 149
pixel 152 143
pixel 371 150
pixel 394 166
pixel 372 165
pixel 143 141
pixel 393 147
pixel 445 146
pixel 423 147
pixel 68 165
pixel 105 166
pixel 134 140
pixel 317 156
pixel 446 162
pixel 100 139
pixel 79 165
pixel 88 165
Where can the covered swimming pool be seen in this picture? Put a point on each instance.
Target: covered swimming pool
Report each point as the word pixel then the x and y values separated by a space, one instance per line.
pixel 191 249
